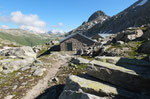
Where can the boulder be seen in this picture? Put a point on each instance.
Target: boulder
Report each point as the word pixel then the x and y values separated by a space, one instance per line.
pixel 10 65
pixel 122 61
pixel 128 35
pixel 146 35
pixel 21 52
pixel 80 60
pixel 68 94
pixel 120 42
pixel 145 48
pixel 76 83
pixel 135 78
pixel 39 72
pixel 9 97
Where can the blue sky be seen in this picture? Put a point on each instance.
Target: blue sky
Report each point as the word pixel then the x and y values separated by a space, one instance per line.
pixel 56 15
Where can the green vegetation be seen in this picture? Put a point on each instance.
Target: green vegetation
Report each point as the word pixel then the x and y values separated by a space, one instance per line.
pixel 30 40
pixel 133 46
pixel 88 57
pixel 81 66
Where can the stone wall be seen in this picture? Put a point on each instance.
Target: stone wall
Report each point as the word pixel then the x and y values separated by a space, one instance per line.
pixel 78 42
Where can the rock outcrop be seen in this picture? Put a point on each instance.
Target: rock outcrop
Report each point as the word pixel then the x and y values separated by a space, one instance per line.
pixel 75 83
pixel 123 61
pixel 16 58
pixel 145 48
pixel 133 78
pixel 19 52
pixel 97 17
pixel 146 35
pixel 128 35
pixel 10 65
pixel 80 60
pixel 68 94
pixel 134 16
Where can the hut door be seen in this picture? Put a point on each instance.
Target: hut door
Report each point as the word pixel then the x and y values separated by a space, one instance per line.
pixel 69 46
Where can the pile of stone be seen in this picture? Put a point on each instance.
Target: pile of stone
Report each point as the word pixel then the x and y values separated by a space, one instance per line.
pixel 128 35
pixel 18 58
pixel 110 78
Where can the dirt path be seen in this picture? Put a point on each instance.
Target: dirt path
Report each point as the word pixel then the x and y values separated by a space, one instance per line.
pixel 43 83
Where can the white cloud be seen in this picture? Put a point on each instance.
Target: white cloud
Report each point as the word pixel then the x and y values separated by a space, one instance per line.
pixel 60 24
pixel 4 19
pixel 4 27
pixel 33 29
pixel 27 22
pixel 55 31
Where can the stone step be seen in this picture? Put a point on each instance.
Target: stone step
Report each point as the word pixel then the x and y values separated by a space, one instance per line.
pixel 123 61
pixel 136 78
pixel 75 83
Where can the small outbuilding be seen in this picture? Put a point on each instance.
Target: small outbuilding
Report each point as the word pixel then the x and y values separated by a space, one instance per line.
pixel 75 42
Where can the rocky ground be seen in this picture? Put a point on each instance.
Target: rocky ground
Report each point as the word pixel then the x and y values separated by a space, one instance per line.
pixel 112 69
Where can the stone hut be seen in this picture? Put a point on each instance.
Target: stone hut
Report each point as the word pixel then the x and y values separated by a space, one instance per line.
pixel 76 42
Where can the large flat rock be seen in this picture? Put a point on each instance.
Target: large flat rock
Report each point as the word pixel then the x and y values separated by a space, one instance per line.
pixel 68 94
pixel 123 61
pixel 76 83
pixel 80 60
pixel 10 65
pixel 135 79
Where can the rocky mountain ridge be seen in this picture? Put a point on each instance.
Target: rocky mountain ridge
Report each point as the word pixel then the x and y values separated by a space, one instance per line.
pixel 134 16
pixel 97 18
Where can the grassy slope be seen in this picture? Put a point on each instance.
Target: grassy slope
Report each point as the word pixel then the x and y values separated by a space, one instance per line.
pixel 29 40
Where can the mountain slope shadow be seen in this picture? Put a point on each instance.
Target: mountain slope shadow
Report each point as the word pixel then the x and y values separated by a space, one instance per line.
pixel 53 48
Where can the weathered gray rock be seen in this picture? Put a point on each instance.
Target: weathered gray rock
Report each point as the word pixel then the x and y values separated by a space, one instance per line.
pixel 145 48
pixel 120 42
pixel 14 87
pixel 76 83
pixel 9 97
pixel 122 61
pixel 146 35
pixel 22 52
pixel 10 65
pixel 68 94
pixel 39 72
pixel 36 49
pixel 128 35
pixel 80 60
pixel 25 68
pixel 134 78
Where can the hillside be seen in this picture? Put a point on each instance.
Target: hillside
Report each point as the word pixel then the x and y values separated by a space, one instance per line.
pixel 134 16
pixel 97 18
pixel 23 37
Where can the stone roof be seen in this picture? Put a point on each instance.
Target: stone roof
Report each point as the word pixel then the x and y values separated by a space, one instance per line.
pixel 74 35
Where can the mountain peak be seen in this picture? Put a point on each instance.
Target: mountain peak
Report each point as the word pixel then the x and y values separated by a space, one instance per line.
pixel 97 14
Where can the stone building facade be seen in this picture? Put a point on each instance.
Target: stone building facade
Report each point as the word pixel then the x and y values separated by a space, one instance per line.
pixel 76 42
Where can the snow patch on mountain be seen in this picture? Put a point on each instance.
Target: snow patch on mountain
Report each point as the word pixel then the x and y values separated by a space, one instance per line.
pixel 142 3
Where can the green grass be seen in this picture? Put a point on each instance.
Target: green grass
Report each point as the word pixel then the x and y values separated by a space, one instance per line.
pixel 30 40
pixel 88 57
pixel 81 66
pixel 133 45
